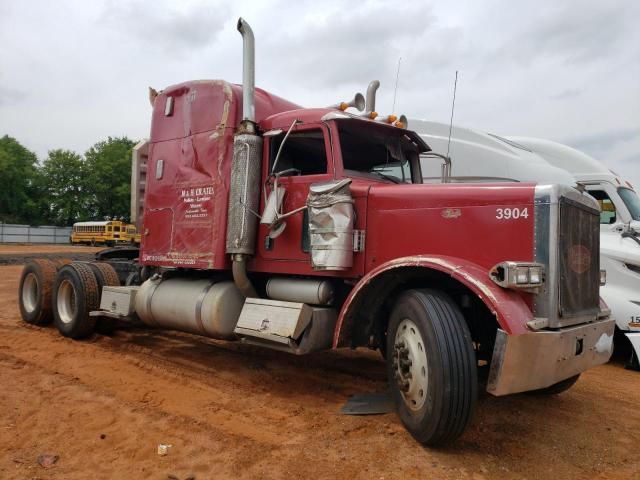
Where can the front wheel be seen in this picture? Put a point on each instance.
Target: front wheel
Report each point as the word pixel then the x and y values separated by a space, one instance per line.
pixel 431 366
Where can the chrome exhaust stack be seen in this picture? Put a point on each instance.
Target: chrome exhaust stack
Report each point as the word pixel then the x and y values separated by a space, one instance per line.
pixel 244 188
pixel 248 72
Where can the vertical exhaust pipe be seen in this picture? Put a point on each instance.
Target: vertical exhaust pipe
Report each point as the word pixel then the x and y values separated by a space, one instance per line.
pixel 244 188
pixel 248 72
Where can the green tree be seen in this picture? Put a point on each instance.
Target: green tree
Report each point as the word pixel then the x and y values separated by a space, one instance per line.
pixel 17 172
pixel 108 177
pixel 61 184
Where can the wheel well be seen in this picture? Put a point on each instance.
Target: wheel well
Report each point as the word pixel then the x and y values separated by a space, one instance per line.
pixel 367 324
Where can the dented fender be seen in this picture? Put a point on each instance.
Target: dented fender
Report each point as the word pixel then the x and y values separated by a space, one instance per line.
pixel 510 309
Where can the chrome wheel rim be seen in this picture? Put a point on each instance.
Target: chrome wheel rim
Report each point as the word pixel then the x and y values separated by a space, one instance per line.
pixel 411 371
pixel 30 293
pixel 66 301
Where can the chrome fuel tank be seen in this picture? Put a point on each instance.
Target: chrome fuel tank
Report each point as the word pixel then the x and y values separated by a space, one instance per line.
pixel 199 306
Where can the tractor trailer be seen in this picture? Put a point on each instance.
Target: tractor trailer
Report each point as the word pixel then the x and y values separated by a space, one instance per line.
pixel 307 229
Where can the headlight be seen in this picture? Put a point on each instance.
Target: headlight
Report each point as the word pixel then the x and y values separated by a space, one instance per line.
pixel 535 275
pixel 520 275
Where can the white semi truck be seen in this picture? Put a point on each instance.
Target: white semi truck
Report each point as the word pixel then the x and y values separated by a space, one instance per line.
pixel 479 156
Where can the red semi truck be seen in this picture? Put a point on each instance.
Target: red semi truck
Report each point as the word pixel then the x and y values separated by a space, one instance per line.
pixel 308 229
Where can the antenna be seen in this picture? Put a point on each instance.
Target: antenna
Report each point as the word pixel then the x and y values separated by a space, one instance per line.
pixel 453 104
pixel 393 108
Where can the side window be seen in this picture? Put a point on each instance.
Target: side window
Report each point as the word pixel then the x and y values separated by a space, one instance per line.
pixel 608 209
pixel 303 151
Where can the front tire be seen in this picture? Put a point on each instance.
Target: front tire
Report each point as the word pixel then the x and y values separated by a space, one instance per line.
pixel 75 294
pixel 431 366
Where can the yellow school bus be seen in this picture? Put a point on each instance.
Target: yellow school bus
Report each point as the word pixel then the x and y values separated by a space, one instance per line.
pixel 109 232
pixel 132 234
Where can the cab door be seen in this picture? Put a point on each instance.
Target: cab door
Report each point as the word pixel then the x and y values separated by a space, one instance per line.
pixel 305 159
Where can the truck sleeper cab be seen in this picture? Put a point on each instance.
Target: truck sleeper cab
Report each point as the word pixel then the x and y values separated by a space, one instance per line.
pixel 414 260
pixel 309 229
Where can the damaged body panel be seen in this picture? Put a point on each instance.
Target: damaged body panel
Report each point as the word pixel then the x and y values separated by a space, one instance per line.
pixel 511 311
pixel 187 190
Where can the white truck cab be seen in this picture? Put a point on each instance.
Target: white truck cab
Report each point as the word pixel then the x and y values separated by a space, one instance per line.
pixel 478 156
pixel 619 231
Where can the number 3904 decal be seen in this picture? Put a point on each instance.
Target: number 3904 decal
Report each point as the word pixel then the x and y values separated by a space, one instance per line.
pixel 511 213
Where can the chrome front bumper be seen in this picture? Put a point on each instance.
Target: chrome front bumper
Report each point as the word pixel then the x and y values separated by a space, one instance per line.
pixel 540 359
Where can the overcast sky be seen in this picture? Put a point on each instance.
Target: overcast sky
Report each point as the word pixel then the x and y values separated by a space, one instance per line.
pixel 74 72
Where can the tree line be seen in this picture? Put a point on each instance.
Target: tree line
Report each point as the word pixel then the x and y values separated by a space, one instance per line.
pixel 65 187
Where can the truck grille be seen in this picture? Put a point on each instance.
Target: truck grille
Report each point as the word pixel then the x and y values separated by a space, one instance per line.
pixel 579 259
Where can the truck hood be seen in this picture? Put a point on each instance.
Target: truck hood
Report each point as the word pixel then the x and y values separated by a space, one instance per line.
pixel 407 197
pixel 452 220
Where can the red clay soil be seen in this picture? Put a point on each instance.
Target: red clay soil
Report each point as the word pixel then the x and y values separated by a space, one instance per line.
pixel 11 248
pixel 232 411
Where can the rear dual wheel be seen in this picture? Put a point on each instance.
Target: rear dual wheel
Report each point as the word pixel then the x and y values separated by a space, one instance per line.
pixel 75 294
pixel 65 292
pixel 34 293
pixel 431 366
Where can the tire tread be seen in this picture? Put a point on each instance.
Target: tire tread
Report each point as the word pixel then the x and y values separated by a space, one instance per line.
pixel 87 287
pixel 453 408
pixel 45 272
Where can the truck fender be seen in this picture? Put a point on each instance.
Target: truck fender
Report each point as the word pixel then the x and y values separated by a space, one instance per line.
pixel 510 309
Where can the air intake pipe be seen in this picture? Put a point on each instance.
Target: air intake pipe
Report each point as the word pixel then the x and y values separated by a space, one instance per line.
pixel 370 109
pixel 244 188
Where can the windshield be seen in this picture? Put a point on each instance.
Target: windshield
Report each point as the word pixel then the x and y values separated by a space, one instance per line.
pixel 631 200
pixel 377 151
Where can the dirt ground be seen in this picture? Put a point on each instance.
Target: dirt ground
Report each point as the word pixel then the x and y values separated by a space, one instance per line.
pixel 9 248
pixel 233 411
pixel 16 254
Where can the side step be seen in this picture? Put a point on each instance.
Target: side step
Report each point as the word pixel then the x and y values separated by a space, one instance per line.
pixel 288 326
pixel 117 302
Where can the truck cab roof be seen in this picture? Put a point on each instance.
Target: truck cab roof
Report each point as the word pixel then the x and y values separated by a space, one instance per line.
pixel 283 121
pixel 578 163
pixel 203 105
